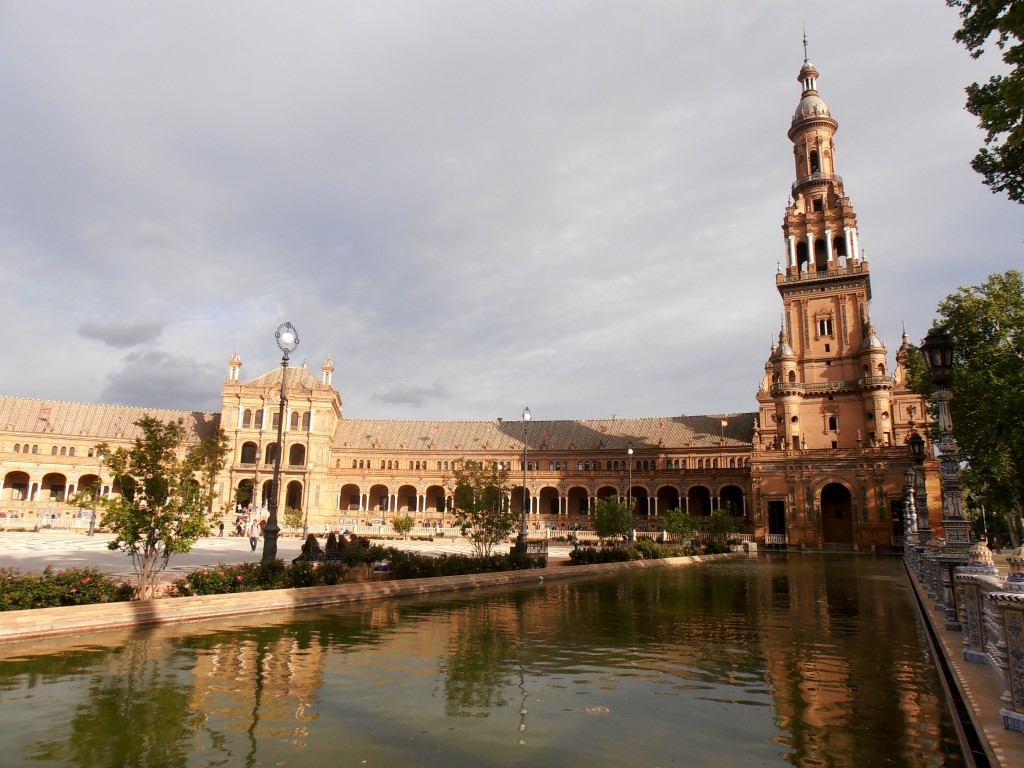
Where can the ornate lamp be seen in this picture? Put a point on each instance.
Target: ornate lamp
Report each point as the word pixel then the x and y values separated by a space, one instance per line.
pixel 287 341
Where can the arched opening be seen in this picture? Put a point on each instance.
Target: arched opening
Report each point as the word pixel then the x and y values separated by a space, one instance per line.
pixel 731 500
pixel 295 420
pixel 833 425
pixel 836 514
pixel 579 502
pixel 641 505
pixel 258 423
pixel 293 495
pixel 297 455
pixel 407 501
pixel 839 249
pixel 434 504
pixel 305 422
pixel 698 501
pixel 250 451
pixel 792 377
pixel 53 487
pixel 605 492
pixel 270 454
pixel 265 493
pixel 550 506
pixel 378 501
pixel 668 499
pixel 244 493
pixel 815 162
pixel 246 419
pixel 348 498
pixel 15 486
pixel 802 257
pixel 820 255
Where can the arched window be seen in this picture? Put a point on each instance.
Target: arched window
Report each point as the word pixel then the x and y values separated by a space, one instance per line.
pixel 71 451
pixel 63 451
pixel 271 453
pixel 295 420
pixel 714 463
pixel 439 466
pixel 586 466
pixel 792 377
pixel 17 448
pixel 354 464
pixel 815 162
pixel 732 463
pixel 259 419
pixel 246 418
pixel 297 455
pixel 832 423
pixel 608 467
pixel 305 421
pixel 53 451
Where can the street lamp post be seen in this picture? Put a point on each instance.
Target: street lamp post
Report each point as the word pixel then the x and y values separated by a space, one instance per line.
pixel 521 540
pixel 287 341
pixel 937 349
pixel 99 495
pixel 629 490
pixel 924 527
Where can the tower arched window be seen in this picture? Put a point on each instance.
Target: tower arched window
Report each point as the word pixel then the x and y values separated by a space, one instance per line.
pixel 305 421
pixel 295 420
pixel 833 424
pixel 802 257
pixel 259 419
pixel 246 419
pixel 815 162
pixel 792 377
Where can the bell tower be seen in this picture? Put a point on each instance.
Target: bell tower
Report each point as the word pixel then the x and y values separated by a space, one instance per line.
pixel 827 383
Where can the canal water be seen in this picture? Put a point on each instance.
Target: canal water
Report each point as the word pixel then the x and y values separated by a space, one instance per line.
pixel 776 660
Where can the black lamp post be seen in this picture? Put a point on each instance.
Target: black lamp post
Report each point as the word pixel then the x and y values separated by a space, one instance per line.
pixel 521 539
pixel 287 341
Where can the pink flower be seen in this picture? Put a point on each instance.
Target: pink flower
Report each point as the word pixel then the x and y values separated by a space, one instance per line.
pixel 73 590
pixel 239 578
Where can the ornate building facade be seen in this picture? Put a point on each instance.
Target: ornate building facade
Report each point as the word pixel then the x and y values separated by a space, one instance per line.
pixel 820 464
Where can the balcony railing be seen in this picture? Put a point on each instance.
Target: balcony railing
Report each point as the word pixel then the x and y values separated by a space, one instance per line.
pixel 833 386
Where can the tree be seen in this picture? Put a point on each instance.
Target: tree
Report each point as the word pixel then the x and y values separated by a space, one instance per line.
pixel 482 506
pixel 682 524
pixel 87 498
pixel 999 103
pixel 293 517
pixel 720 523
pixel 403 525
pixel 164 496
pixel 612 518
pixel 986 325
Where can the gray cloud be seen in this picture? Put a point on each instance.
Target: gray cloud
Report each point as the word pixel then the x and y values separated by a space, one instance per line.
pixel 411 394
pixel 117 333
pixel 161 380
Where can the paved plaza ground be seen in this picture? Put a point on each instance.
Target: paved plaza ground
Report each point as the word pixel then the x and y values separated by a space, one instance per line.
pixel 33 551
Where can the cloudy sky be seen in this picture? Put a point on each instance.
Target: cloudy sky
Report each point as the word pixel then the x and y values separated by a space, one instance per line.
pixel 473 205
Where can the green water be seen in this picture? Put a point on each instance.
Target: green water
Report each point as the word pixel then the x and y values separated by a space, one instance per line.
pixel 809 661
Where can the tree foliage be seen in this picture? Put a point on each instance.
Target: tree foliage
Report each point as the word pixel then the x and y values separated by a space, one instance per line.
pixel 721 523
pixel 986 325
pixel 293 518
pixel 999 103
pixel 164 495
pixel 482 503
pixel 681 524
pixel 403 525
pixel 611 517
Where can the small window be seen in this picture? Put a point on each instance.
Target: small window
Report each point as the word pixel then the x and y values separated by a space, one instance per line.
pixel 71 451
pixel 825 327
pixel 259 420
pixel 53 451
pixel 295 420
pixel 247 419
pixel 63 451
pixel 817 204
pixel 551 466
pixel 828 347
pixel 832 424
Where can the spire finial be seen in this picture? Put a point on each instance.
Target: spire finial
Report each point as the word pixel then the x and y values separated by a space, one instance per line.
pixel 805 42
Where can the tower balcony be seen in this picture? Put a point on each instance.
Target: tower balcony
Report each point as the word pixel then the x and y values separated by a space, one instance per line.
pixel 814 181
pixel 838 271
pixel 832 387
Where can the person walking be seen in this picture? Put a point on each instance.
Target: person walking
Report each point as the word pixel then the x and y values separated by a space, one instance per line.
pixel 254 534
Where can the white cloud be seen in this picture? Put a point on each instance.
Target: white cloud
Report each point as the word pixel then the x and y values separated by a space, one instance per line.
pixel 574 205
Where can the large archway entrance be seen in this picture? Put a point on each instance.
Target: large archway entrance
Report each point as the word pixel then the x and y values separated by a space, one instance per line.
pixel 836 514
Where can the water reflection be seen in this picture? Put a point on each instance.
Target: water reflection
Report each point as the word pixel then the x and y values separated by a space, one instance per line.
pixel 800 660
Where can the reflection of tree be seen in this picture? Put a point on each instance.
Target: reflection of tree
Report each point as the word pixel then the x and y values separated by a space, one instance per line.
pixel 478 665
pixel 137 713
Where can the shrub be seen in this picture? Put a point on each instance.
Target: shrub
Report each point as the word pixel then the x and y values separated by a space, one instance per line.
pixel 70 586
pixel 590 555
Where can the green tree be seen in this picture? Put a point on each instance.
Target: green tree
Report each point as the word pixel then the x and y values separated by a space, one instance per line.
pixel 682 524
pixel 482 506
pixel 164 497
pixel 612 518
pixel 986 325
pixel 999 103
pixel 720 523
pixel 403 525
pixel 87 498
pixel 293 517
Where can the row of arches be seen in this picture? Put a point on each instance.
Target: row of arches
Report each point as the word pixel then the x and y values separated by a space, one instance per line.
pixel 254 419
pixel 53 487
pixel 250 452
pixel 62 450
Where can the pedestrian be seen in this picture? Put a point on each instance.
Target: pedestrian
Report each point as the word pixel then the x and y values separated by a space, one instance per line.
pixel 222 529
pixel 254 534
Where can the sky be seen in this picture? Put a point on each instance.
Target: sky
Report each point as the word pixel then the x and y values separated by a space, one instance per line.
pixel 472 205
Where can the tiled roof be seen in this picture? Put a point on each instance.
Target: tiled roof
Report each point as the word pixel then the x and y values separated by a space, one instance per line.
pixel 102 422
pixel 670 432
pixel 300 377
